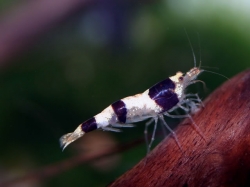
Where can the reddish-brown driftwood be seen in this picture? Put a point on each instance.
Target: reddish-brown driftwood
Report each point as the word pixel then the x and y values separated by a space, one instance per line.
pixel 222 160
pixel 42 174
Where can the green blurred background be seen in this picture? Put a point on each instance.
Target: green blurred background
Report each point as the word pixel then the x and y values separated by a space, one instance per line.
pixel 98 54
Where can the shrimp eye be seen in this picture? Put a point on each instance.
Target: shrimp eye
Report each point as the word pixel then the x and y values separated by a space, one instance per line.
pixel 181 78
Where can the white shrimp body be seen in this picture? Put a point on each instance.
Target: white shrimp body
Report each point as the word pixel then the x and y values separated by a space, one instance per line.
pixel 155 101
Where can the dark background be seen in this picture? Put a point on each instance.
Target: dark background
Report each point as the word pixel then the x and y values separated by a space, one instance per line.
pixel 58 75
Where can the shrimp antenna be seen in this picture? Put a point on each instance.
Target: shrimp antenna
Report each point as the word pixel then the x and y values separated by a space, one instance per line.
pixel 216 73
pixel 198 35
pixel 210 67
pixel 191 47
pixel 203 84
pixel 199 41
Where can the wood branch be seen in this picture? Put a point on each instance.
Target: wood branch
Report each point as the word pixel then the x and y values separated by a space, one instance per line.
pixel 223 159
pixel 49 171
pixel 23 25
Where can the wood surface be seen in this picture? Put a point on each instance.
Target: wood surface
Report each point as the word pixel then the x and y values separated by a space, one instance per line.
pixel 222 159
